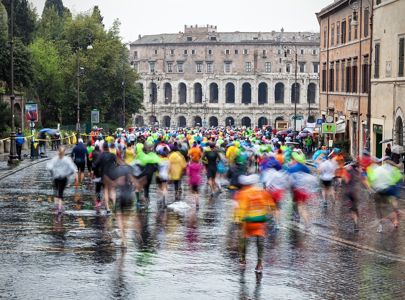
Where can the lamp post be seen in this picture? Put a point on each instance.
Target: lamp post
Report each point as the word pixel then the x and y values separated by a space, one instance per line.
pixel 153 97
pixel 13 158
pixel 294 50
pixel 80 72
pixel 123 104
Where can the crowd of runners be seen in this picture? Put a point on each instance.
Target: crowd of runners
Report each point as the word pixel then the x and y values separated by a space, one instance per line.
pixel 259 169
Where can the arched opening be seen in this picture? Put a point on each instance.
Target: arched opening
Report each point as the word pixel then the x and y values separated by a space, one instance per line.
pixel 139 122
pixel 230 93
pixel 246 122
pixel 197 121
pixel 311 92
pixel 153 120
pixel 197 93
pixel 295 93
pixel 263 121
pixel 213 122
pixel 262 93
pixel 168 93
pixel 213 93
pixel 246 93
pixel 153 92
pixel 182 121
pixel 279 93
pixel 229 121
pixel 166 121
pixel 182 93
pixel 278 123
pixel 399 132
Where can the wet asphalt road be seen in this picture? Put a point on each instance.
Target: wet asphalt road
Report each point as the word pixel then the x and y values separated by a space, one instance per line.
pixel 188 254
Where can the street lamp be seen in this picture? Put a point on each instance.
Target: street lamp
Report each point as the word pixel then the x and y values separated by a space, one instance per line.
pixel 12 159
pixel 80 72
pixel 153 97
pixel 294 50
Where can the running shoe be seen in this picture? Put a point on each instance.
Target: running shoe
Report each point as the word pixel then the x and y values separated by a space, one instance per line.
pixel 259 268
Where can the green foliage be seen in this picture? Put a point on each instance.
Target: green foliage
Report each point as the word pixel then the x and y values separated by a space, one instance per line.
pixel 57 5
pixel 5 117
pixel 3 24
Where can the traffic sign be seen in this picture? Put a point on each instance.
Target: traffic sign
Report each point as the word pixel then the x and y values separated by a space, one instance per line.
pixel 328 128
pixel 95 116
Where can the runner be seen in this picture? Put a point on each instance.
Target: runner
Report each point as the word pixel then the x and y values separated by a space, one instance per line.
pixel 79 154
pixel 194 169
pixel 61 168
pixel 210 159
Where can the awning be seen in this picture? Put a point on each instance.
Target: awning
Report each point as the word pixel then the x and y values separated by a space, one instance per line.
pixel 341 126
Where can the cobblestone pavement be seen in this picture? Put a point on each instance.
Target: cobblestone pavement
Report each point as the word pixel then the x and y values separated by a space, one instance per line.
pixel 184 254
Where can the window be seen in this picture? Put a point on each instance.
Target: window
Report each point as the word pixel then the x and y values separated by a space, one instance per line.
pixel 189 39
pixel 151 66
pixel 302 51
pixel 135 54
pixel 343 36
pixel 230 93
pixel 332 35
pixel 311 93
pixel 245 51
pixel 337 33
pixel 337 69
pixel 267 67
pixel 342 80
pixel 193 51
pixel 228 67
pixel 366 21
pixel 324 37
pixel 246 93
pixel 171 51
pixel 355 27
pixel 378 2
pixel 349 38
pixel 227 51
pixel 209 67
pixel 348 77
pixel 302 67
pixel 209 52
pixel 279 51
pixel 185 52
pixel 288 51
pixel 324 78
pixel 331 77
pixel 236 51
pixel 169 67
pixel 280 60
pixel 365 68
pixel 199 66
pixel 295 93
pixel 264 53
pixel 288 68
pixel 315 67
pixel 314 52
pixel 401 57
pixel 180 67
pixel 213 38
pixel 248 67
pixel 156 52
pixel 399 132
pixel 279 93
pixel 135 66
pixel 354 76
pixel 377 60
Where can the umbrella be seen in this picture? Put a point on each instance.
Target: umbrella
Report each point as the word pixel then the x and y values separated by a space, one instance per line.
pixel 397 149
pixel 49 131
pixel 290 135
pixel 386 141
pixel 283 132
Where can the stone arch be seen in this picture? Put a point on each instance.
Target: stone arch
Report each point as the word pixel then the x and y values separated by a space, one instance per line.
pixel 311 93
pixel 182 93
pixel 168 93
pixel 230 93
pixel 139 122
pixel 246 93
pixel 279 93
pixel 263 121
pixel 214 93
pixel 229 121
pixel 152 120
pixel 166 121
pixel 153 92
pixel 213 122
pixel 198 92
pixel 246 122
pixel 181 121
pixel 262 93
pixel 295 93
pixel 197 121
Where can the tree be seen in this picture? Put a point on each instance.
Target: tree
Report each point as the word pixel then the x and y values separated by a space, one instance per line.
pixel 96 15
pixel 5 118
pixel 55 4
pixel 3 24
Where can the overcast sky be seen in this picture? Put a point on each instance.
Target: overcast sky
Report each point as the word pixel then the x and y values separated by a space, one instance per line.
pixel 170 16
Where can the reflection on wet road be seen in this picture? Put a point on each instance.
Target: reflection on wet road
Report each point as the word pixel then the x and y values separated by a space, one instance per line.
pixel 184 254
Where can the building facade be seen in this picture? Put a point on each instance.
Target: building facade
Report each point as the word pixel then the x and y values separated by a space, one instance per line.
pixel 387 76
pixel 210 78
pixel 345 70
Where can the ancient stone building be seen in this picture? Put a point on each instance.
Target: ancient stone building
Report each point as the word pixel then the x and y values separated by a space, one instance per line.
pixel 209 78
